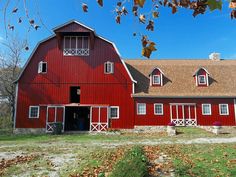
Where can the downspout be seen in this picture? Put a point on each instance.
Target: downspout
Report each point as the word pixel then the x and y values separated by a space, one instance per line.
pixel 235 110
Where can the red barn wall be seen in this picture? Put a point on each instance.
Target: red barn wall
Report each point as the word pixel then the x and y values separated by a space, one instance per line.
pixel 151 119
pixel 65 71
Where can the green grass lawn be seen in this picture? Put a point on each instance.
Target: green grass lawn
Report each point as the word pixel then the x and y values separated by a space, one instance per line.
pixel 62 155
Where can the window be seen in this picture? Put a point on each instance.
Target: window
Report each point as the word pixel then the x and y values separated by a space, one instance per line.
pixel 75 94
pixel 34 112
pixel 108 67
pixel 156 79
pixel 114 112
pixel 42 67
pixel 158 109
pixel 201 79
pixel 224 109
pixel 141 108
pixel 206 109
pixel 76 45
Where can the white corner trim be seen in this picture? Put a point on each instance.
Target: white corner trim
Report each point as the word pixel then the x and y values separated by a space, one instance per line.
pixel 131 77
pixel 16 98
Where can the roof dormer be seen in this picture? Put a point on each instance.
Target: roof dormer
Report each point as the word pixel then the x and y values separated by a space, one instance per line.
pixel 156 77
pixel 201 76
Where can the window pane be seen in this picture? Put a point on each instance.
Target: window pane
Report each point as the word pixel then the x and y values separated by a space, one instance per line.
pixel 206 109
pixel 79 42
pixel 44 68
pixel 156 79
pixel 73 42
pixel 85 43
pixel 158 109
pixel 224 109
pixel 141 108
pixel 114 112
pixel 34 112
pixel 202 79
pixel 67 42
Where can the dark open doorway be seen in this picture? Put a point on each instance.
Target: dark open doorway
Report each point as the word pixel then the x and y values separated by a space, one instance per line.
pixel 75 94
pixel 77 118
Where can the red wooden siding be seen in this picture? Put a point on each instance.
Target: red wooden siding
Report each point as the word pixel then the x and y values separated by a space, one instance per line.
pixel 151 119
pixel 66 71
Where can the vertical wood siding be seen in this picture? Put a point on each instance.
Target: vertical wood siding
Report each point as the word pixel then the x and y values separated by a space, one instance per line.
pixel 66 71
pixel 151 119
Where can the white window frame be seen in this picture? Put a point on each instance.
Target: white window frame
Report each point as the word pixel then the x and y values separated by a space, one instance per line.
pixel 40 67
pixel 144 113
pixel 209 108
pixel 111 64
pixel 118 112
pixel 37 113
pixel 162 111
pixel 205 81
pixel 77 51
pixel 153 80
pixel 227 106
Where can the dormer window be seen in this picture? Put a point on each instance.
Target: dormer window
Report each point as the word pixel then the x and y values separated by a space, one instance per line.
pixel 108 67
pixel 42 67
pixel 156 77
pixel 76 46
pixel 201 77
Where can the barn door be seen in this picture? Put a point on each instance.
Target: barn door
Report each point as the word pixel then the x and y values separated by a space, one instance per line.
pixel 54 114
pixel 99 118
pixel 183 114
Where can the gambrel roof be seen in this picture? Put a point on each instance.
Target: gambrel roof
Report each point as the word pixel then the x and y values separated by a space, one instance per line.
pixel 179 80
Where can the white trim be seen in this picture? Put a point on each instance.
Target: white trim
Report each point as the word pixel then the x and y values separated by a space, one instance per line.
pixel 155 69
pixel 205 80
pixel 118 112
pixel 204 104
pixel 40 67
pixel 131 77
pixel 162 109
pixel 227 106
pixel 38 107
pixel 195 73
pixel 111 64
pixel 16 98
pixel 138 109
pixel 158 83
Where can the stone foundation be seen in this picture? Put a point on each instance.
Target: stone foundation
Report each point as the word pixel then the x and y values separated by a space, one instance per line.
pixel 29 131
pixel 212 129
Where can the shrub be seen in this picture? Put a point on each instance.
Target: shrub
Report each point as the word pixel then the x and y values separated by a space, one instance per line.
pixel 57 128
pixel 217 123
pixel 6 124
pixel 133 164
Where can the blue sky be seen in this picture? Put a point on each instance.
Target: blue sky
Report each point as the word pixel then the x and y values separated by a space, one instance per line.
pixel 179 36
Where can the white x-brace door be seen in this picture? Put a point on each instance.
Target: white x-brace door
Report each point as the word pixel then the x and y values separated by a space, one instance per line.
pixel 99 117
pixel 183 114
pixel 54 114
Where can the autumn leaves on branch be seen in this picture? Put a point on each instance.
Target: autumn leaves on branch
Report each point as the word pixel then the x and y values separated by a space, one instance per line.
pixel 197 6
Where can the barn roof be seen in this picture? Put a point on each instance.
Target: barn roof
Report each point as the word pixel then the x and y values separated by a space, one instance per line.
pixel 179 81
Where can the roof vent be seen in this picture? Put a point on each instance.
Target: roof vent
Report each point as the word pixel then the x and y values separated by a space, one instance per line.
pixel 214 56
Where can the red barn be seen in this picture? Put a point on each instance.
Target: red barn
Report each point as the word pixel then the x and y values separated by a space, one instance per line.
pixel 78 78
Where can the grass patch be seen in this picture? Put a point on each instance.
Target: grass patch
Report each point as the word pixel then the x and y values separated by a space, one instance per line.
pixel 203 160
pixel 133 164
